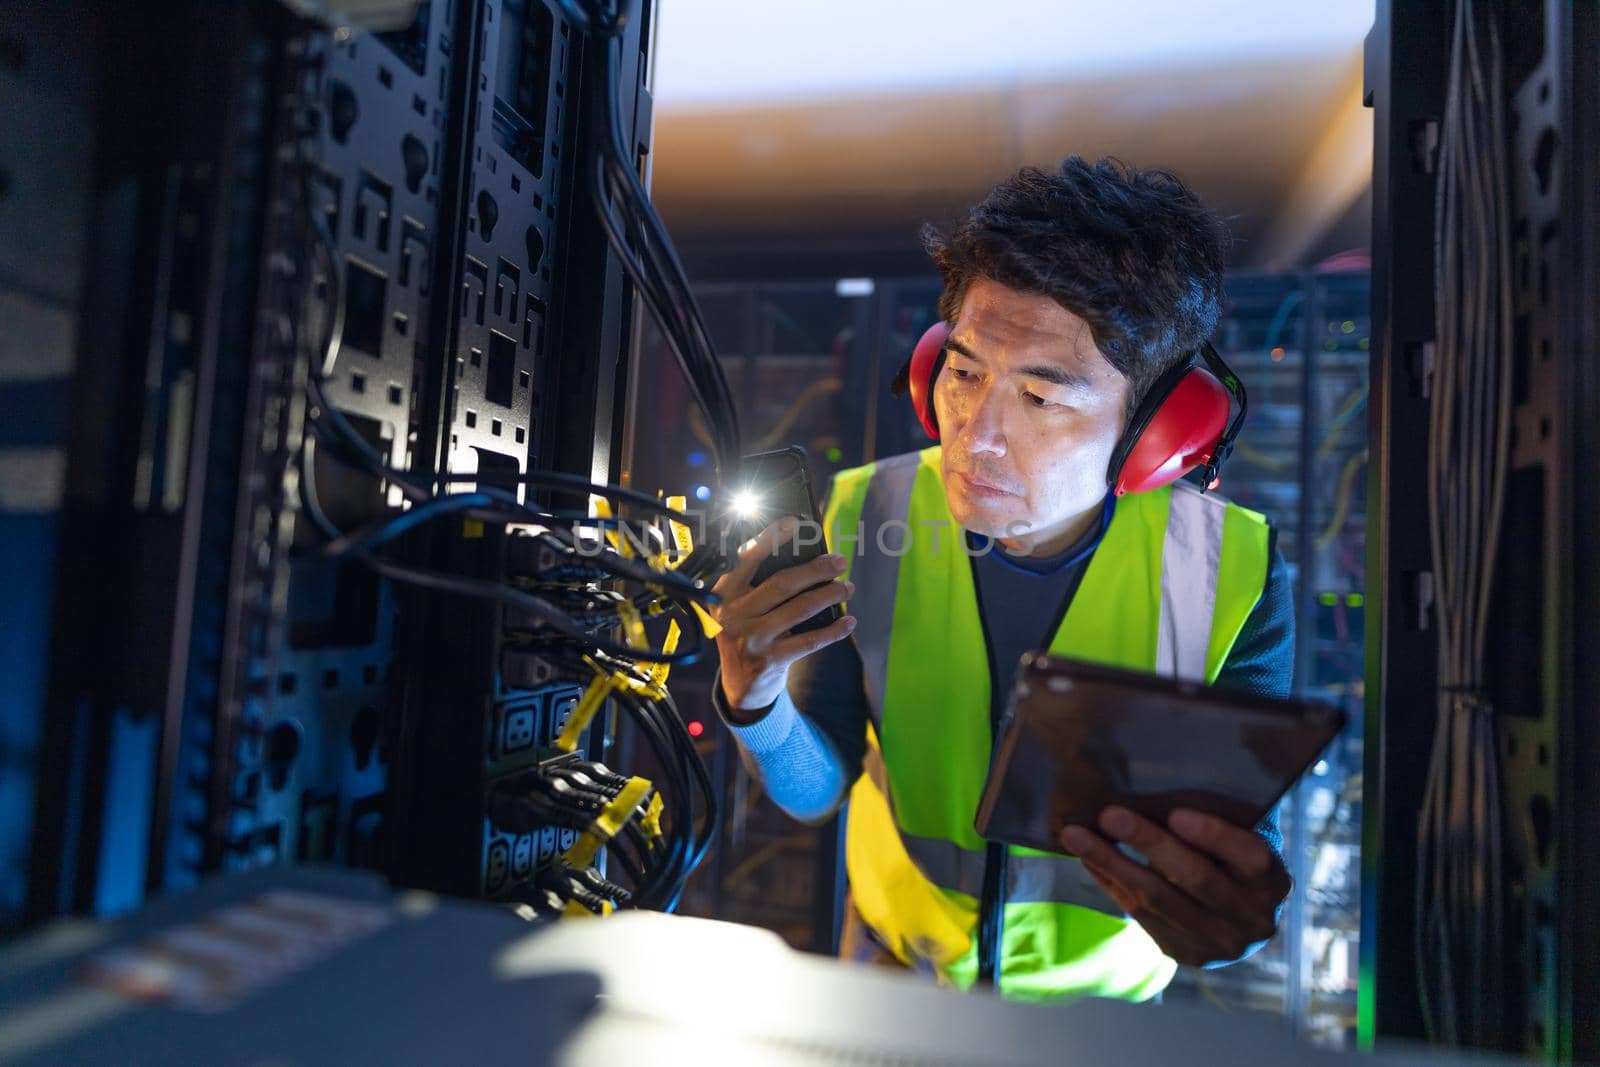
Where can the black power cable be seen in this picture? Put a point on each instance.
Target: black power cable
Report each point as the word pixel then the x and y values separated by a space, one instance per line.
pixel 649 259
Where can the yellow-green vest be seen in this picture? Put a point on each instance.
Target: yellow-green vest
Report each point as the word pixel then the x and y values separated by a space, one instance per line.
pixel 1168 590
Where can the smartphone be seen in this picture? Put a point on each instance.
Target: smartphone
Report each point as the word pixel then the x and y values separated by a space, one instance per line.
pixel 771 485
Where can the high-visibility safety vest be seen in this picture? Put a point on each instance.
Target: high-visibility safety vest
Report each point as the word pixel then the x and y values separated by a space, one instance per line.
pixel 1167 590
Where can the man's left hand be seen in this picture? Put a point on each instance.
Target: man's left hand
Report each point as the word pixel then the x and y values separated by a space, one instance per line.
pixel 1210 890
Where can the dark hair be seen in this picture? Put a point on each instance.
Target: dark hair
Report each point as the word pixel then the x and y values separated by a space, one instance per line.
pixel 1134 253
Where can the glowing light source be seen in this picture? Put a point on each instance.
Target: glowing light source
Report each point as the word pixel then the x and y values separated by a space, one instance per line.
pixel 1277 354
pixel 746 504
pixel 702 492
pixel 696 727
pixel 834 454
pixel 697 459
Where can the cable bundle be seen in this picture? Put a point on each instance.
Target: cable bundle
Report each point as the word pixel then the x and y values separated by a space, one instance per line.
pixel 641 241
pixel 657 837
pixel 685 777
pixel 604 807
pixel 1460 915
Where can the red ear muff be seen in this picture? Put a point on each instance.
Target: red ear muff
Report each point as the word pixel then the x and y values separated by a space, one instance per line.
pixel 1181 424
pixel 926 360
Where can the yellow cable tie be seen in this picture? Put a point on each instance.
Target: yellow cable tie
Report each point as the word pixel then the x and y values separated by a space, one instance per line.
pixel 639 687
pixel 632 625
pixel 593 697
pixel 615 815
pixel 662 561
pixel 612 818
pixel 712 626
pixel 682 536
pixel 574 910
pixel 601 507
pixel 657 672
pixel 583 851
pixel 650 821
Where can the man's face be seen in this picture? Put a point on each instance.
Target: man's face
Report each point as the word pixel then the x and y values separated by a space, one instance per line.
pixel 1029 412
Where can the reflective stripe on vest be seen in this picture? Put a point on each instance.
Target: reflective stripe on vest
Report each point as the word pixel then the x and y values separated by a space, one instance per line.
pixel 1190 555
pixel 884 500
pixel 1031 877
pixel 1168 589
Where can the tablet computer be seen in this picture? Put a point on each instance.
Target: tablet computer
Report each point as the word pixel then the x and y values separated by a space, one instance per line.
pixel 1077 737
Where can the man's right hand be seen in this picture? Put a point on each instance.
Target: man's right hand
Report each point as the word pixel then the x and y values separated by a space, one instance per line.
pixel 755 645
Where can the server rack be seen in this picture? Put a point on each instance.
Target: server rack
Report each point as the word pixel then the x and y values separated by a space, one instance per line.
pixel 1541 665
pixel 218 698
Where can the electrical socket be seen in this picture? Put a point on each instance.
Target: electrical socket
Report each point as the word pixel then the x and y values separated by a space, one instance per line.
pixel 498 866
pixel 560 712
pixel 519 729
pixel 547 842
pixel 522 856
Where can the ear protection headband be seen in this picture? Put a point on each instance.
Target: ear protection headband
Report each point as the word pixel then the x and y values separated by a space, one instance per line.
pixel 1181 424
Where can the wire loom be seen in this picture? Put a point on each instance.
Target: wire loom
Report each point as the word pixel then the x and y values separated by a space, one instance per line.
pixel 1460 918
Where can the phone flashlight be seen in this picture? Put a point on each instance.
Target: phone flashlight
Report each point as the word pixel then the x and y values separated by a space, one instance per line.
pixel 746 504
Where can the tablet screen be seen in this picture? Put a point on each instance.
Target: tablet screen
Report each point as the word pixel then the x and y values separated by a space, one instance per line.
pixel 1078 737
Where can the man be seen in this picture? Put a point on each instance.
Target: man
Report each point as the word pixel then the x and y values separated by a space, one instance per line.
pixel 1068 295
